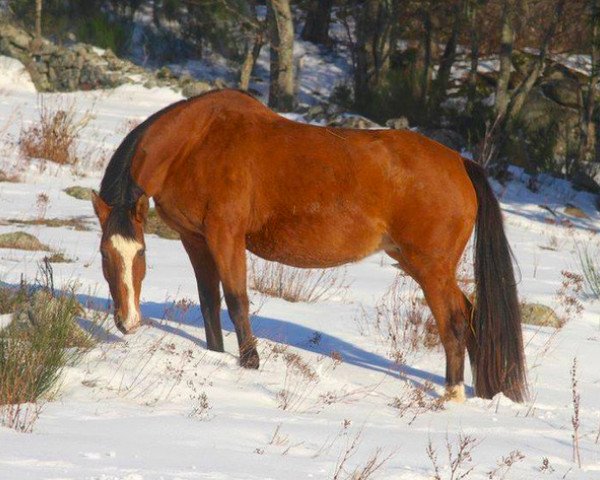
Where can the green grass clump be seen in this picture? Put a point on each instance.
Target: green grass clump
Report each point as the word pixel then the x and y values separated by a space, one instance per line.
pixel 21 241
pixel 155 225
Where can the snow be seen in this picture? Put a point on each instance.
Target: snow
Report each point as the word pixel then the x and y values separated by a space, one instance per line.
pixel 134 408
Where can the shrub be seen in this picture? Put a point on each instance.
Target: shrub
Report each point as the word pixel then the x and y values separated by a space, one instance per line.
pixel 53 137
pixel 404 321
pixel 588 261
pixel 104 33
pixel 34 350
pixel 295 284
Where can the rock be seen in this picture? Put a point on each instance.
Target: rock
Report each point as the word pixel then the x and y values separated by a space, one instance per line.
pixel 582 181
pixel 574 211
pixel 564 91
pixel 447 137
pixel 547 130
pixel 21 241
pixel 194 88
pixel 400 123
pixel 80 193
pixel 541 315
pixel 164 73
pixel 82 67
pixel 220 83
pixel 316 113
pixel 352 121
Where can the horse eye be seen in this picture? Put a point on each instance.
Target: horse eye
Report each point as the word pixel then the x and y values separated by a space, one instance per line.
pixel 104 256
pixel 142 252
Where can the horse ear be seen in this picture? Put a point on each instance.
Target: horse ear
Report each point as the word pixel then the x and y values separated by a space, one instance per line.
pixel 101 208
pixel 141 208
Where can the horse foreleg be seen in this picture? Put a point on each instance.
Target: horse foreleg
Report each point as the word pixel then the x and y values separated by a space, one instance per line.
pixel 229 252
pixel 207 278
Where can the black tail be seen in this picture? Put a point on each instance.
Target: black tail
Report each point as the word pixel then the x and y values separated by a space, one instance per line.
pixel 499 358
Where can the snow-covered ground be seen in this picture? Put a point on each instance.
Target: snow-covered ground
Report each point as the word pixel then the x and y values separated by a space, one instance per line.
pixel 157 405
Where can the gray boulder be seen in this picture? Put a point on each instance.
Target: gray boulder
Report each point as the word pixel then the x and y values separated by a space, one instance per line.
pixel 540 315
pixel 447 137
pixel 565 91
pixel 400 123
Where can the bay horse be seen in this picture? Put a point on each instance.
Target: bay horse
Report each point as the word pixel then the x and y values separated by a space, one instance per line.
pixel 230 175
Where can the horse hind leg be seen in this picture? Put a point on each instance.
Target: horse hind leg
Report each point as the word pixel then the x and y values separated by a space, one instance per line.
pixel 452 313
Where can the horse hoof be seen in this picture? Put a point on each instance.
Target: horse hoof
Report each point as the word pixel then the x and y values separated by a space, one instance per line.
pixel 250 360
pixel 455 393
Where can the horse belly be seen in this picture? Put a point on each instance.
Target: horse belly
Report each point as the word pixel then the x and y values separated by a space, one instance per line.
pixel 317 242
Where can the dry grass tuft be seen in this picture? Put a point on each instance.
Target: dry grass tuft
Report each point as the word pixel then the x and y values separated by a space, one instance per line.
pixel 402 320
pixel 300 379
pixel 295 284
pixel 9 178
pixel 76 223
pixel 54 136
pixel 58 257
pixel 364 471
pixel 459 460
pixel 417 400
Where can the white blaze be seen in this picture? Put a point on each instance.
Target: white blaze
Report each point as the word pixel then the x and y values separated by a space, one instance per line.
pixel 128 249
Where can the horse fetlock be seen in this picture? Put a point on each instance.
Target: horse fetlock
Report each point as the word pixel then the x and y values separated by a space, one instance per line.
pixel 249 359
pixel 456 393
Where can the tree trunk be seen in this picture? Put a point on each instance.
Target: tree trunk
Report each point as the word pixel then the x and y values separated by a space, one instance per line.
pixel 38 19
pixel 316 28
pixel 281 32
pixel 448 58
pixel 373 29
pixel 506 47
pixel 587 132
pixel 430 27
pixel 519 96
pixel 474 40
pixel 252 53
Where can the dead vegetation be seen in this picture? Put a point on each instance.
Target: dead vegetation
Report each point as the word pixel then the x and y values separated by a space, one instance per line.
pixel 54 135
pixel 300 379
pixel 416 400
pixel 402 320
pixel 363 471
pixel 295 284
pixel 75 223
pixel 9 177
pixel 460 460
pixel 58 257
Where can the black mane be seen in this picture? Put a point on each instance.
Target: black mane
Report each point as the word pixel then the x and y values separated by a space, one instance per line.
pixel 118 189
